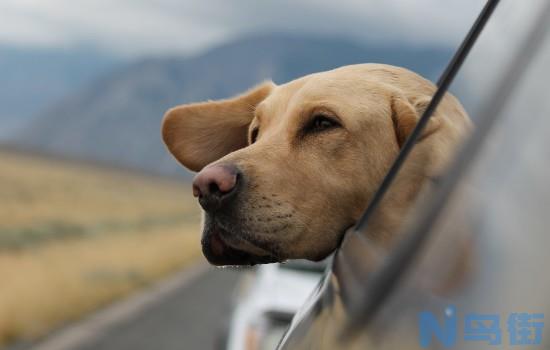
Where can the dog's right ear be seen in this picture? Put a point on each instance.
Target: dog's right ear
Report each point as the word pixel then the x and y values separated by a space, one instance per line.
pixel 405 116
pixel 200 133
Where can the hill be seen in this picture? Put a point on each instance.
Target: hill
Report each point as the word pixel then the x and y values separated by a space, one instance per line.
pixel 117 118
pixel 34 78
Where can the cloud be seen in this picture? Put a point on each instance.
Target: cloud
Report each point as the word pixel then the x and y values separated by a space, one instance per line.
pixel 163 26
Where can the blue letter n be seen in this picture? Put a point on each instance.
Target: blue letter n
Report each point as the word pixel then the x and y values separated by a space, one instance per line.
pixel 445 334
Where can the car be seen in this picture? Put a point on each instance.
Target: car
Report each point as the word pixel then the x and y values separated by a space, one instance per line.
pixel 267 299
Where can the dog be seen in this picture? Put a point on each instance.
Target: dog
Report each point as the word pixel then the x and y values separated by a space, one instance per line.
pixel 285 170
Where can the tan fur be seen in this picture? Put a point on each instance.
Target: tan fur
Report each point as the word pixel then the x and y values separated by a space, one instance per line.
pixel 303 190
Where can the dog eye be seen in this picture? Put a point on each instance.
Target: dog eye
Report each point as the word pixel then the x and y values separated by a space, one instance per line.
pixel 254 135
pixel 322 122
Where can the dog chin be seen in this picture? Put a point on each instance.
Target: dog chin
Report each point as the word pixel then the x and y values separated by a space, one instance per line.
pixel 221 249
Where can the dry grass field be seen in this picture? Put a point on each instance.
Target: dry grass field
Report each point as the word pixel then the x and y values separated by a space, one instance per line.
pixel 74 237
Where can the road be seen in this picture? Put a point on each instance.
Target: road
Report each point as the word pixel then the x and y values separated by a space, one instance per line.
pixel 191 316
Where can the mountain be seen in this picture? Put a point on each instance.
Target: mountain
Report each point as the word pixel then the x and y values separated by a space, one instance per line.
pixel 117 118
pixel 33 78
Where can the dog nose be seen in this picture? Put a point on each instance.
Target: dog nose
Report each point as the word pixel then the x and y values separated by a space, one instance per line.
pixel 214 185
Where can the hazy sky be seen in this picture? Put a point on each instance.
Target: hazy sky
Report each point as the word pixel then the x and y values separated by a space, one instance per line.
pixel 161 26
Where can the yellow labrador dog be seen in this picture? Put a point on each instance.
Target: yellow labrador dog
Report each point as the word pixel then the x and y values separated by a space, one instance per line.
pixel 284 170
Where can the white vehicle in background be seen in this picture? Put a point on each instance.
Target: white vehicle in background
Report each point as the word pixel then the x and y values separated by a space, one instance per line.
pixel 267 299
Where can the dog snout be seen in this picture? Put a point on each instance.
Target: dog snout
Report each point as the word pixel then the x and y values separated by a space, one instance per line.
pixel 215 185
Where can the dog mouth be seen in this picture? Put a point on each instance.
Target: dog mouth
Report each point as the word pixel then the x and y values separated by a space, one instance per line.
pixel 223 248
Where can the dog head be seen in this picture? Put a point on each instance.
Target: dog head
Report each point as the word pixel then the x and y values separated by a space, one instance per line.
pixel 284 170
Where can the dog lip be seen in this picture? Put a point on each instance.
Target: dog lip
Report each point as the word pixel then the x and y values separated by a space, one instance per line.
pixel 216 244
pixel 219 252
pixel 243 243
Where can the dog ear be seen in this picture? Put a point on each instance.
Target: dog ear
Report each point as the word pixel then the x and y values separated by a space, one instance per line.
pixel 405 116
pixel 198 134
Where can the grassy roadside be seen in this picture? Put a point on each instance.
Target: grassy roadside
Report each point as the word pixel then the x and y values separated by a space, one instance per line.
pixel 47 286
pixel 75 237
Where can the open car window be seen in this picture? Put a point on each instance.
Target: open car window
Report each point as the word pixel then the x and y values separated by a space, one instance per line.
pixel 487 246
